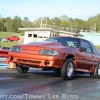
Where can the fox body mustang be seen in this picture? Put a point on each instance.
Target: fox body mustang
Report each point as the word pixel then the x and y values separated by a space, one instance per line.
pixel 65 55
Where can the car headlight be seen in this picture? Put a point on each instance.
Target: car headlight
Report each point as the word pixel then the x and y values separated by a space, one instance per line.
pixel 16 49
pixel 49 52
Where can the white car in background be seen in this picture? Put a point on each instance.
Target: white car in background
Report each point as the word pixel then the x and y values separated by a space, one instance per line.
pixel 4 40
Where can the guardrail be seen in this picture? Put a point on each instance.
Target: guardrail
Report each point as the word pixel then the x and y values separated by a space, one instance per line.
pixel 3 59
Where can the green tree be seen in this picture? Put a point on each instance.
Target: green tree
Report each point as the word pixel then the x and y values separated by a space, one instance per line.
pixel 37 23
pixel 56 22
pixel 97 22
pixel 47 22
pixel 64 24
pixel 17 23
pixel 80 24
pixel 8 24
pixel 91 24
pixel 71 21
pixel 26 23
pixel 64 18
pixel 2 25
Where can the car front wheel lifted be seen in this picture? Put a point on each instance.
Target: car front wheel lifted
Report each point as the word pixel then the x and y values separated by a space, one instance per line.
pixel 21 69
pixel 67 70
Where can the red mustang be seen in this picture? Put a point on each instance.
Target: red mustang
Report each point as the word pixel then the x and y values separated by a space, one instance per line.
pixel 61 54
pixel 13 38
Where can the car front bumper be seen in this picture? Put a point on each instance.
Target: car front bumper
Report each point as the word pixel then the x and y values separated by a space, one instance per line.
pixel 39 61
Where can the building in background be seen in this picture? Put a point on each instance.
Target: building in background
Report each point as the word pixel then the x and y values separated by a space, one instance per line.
pixel 40 34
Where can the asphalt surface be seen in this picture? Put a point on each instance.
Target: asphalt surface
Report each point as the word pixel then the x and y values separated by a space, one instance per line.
pixel 46 85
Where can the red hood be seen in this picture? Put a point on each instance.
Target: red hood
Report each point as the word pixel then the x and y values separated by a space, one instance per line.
pixel 38 45
pixel 45 43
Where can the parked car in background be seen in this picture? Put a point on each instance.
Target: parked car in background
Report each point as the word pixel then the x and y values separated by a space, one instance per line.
pixel 67 55
pixel 4 40
pixel 6 48
pixel 13 38
pixel 0 39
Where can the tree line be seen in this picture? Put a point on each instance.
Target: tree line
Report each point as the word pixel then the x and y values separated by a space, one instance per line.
pixel 9 24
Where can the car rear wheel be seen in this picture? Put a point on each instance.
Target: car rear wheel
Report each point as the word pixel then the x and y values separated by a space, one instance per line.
pixel 96 73
pixel 67 70
pixel 21 69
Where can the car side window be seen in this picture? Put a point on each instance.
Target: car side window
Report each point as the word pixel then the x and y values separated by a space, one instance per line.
pixel 95 51
pixel 86 45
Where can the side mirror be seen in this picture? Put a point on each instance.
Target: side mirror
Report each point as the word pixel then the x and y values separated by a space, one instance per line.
pixel 82 49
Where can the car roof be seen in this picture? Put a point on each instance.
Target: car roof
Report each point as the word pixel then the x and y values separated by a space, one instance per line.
pixel 66 37
pixel 70 37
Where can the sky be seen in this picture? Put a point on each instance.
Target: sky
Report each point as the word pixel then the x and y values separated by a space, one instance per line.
pixel 34 9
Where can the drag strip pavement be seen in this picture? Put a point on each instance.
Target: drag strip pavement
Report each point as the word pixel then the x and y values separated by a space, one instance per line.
pixel 47 85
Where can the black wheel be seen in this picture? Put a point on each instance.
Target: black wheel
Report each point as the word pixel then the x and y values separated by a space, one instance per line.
pixel 67 70
pixel 96 73
pixel 21 69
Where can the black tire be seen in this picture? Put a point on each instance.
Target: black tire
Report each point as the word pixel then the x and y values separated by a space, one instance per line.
pixel 66 75
pixel 96 73
pixel 21 69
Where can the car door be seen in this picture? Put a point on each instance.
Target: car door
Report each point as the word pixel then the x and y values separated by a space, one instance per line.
pixel 85 56
pixel 96 54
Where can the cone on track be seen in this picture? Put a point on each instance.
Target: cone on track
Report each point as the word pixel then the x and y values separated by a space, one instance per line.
pixel 11 65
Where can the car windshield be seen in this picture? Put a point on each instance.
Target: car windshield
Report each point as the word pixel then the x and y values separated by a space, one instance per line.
pixel 72 42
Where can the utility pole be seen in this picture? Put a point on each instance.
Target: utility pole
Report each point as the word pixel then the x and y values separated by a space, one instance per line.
pixel 46 23
pixel 41 23
pixel 94 27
